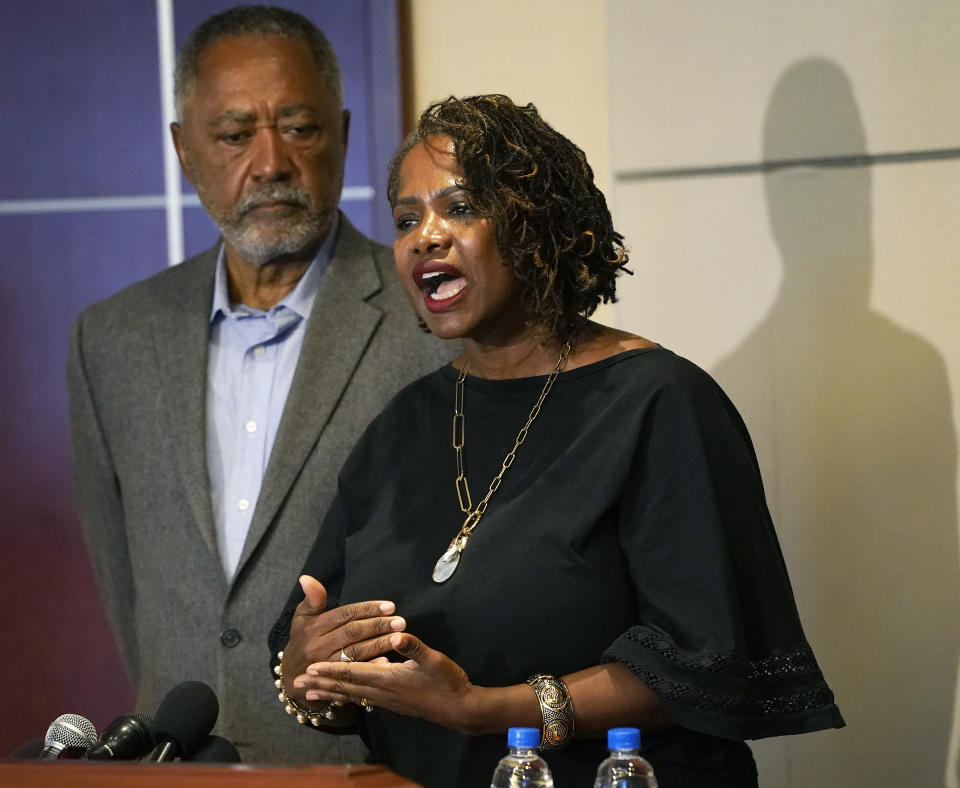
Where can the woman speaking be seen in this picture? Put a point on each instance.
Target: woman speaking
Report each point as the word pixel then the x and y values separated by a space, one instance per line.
pixel 565 529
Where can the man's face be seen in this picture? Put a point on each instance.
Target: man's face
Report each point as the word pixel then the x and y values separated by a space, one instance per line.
pixel 263 141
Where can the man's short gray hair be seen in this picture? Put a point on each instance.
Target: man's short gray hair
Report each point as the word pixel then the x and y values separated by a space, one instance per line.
pixel 253 20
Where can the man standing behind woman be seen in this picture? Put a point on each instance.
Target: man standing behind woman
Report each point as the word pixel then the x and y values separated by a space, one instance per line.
pixel 212 405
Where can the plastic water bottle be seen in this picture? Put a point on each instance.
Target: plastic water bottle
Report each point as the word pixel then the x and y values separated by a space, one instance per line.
pixel 624 768
pixel 522 767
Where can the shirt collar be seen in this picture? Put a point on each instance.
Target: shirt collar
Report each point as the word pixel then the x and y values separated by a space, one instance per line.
pixel 299 300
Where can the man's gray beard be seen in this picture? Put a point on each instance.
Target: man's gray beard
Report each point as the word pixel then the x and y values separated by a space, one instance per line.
pixel 265 240
pixel 259 244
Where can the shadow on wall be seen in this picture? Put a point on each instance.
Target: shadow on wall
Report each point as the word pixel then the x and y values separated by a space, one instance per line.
pixel 851 415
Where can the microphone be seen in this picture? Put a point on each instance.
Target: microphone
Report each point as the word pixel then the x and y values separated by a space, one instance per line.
pixel 68 736
pixel 186 715
pixel 28 751
pixel 215 749
pixel 127 738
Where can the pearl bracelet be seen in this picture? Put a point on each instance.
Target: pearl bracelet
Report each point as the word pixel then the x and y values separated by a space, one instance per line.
pixel 304 715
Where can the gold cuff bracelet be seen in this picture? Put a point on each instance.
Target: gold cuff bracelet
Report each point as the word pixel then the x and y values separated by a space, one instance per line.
pixel 556 707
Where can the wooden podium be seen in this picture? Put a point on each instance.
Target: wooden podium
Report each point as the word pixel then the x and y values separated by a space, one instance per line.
pixel 85 774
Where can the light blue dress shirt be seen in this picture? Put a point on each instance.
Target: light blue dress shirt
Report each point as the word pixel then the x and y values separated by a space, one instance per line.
pixel 253 357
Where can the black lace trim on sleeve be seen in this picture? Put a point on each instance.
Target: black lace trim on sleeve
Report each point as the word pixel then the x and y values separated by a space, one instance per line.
pixel 692 695
pixel 753 694
pixel 798 661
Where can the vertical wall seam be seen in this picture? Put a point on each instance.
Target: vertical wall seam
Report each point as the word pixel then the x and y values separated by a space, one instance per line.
pixel 171 167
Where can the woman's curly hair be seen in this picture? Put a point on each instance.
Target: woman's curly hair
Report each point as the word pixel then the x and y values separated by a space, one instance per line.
pixel 552 224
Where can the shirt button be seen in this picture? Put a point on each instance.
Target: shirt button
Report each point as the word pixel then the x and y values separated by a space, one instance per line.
pixel 251 426
pixel 259 350
pixel 243 504
pixel 230 637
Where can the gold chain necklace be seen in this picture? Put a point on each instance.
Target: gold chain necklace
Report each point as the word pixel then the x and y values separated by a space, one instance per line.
pixel 447 563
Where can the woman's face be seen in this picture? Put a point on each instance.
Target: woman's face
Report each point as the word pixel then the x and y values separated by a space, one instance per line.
pixel 446 253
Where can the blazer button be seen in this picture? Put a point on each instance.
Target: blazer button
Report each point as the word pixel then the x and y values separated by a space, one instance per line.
pixel 230 637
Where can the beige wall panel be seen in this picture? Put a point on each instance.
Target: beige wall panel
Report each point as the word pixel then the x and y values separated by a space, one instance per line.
pixel 550 52
pixel 916 284
pixel 689 252
pixel 691 79
pixel 825 302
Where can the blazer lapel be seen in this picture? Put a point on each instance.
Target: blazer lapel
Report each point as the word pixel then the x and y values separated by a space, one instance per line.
pixel 181 333
pixel 337 333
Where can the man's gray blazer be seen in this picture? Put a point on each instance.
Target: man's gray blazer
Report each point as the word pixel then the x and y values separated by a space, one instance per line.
pixel 137 377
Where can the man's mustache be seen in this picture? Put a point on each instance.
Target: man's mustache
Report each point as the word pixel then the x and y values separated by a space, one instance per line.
pixel 286 194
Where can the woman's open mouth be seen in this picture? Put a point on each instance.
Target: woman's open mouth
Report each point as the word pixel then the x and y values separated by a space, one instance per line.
pixel 439 282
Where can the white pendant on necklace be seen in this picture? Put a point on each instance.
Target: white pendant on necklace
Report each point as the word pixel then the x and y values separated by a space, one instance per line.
pixel 447 564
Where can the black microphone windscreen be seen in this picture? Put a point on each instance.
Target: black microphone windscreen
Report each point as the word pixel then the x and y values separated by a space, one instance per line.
pixel 186 715
pixel 215 749
pixel 29 750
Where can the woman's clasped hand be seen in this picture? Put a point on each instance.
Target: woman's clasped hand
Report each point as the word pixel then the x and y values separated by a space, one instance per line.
pixel 344 657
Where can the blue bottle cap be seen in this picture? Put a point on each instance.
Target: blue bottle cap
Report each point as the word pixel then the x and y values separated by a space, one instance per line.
pixel 527 738
pixel 623 739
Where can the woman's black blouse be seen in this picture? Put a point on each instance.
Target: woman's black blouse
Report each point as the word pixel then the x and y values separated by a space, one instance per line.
pixel 632 526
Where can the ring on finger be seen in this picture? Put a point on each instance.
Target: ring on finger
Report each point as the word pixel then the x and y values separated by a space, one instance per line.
pixel 344 657
pixel 366 705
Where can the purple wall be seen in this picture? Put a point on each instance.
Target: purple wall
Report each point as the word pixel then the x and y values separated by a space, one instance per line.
pixel 81 119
